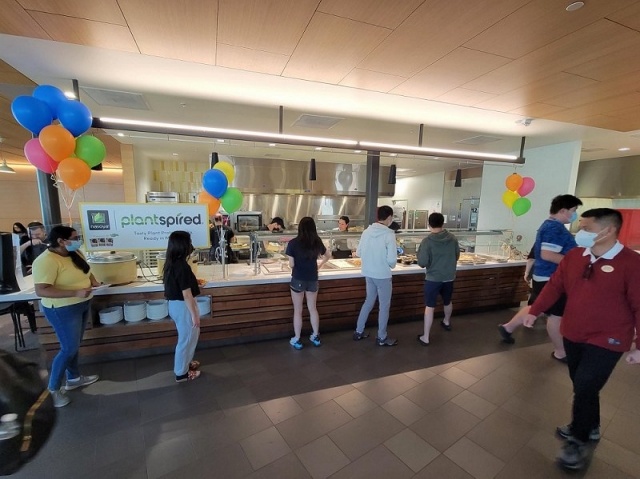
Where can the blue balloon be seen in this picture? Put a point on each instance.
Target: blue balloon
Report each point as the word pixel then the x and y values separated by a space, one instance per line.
pixel 31 113
pixel 75 117
pixel 215 183
pixel 51 95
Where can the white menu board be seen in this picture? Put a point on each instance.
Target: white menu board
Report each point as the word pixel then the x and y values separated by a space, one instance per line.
pixel 126 226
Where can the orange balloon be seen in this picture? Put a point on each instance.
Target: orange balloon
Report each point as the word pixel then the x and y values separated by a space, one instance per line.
pixel 513 182
pixel 74 173
pixel 210 201
pixel 57 142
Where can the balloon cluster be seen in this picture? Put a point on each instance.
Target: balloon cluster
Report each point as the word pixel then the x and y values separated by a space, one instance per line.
pixel 217 190
pixel 59 148
pixel 517 188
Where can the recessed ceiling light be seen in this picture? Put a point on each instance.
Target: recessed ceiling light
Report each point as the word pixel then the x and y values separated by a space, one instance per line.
pixel 174 154
pixel 624 149
pixel 357 151
pixel 220 141
pixel 318 148
pixel 393 154
pixel 272 144
pixel 70 95
pixel 120 134
pixel 572 7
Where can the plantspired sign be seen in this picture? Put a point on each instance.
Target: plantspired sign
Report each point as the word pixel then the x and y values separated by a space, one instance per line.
pixel 127 226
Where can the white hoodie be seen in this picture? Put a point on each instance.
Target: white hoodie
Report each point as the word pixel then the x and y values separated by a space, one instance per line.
pixel 378 252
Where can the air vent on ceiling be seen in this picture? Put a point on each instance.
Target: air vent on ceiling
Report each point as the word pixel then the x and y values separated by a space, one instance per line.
pixel 478 140
pixel 317 121
pixel 120 99
pixel 592 150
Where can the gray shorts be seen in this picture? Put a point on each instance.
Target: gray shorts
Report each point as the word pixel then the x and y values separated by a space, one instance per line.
pixel 300 286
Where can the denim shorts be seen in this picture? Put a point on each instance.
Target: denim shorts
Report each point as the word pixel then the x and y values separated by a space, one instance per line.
pixel 433 289
pixel 299 286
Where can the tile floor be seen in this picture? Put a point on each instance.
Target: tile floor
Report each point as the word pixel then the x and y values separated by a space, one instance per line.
pixel 468 406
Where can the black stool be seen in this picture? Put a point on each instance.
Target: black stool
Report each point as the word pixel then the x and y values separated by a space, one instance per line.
pixel 18 336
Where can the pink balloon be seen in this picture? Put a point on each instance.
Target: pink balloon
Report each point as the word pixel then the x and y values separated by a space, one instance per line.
pixel 528 184
pixel 38 157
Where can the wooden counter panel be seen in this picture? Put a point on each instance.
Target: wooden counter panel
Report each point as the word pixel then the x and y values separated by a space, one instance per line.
pixel 254 311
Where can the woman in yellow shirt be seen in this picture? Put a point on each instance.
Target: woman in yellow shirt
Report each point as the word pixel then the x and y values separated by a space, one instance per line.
pixel 63 281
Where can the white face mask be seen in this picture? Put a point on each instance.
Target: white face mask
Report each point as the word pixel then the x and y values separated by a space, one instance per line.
pixel 586 239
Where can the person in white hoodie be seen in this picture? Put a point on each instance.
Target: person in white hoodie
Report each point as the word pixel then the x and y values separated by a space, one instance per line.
pixel 377 250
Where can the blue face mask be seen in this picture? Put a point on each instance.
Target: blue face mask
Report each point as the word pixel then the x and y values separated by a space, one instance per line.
pixel 74 246
pixel 574 216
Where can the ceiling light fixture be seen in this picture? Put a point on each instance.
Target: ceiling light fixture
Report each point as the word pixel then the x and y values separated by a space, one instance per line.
pixel 120 134
pixel 70 95
pixel 272 144
pixel 220 141
pixel 624 149
pixel 195 130
pixel 312 170
pixel 471 155
pixel 4 168
pixel 318 148
pixel 357 151
pixel 572 7
pixel 393 154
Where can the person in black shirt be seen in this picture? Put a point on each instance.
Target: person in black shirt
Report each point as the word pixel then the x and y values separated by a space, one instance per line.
pixel 303 252
pixel 32 246
pixel 276 225
pixel 214 236
pixel 180 289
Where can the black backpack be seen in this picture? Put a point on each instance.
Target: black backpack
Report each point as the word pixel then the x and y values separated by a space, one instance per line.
pixel 23 392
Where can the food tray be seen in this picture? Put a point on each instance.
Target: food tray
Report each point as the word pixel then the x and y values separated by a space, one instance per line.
pixel 493 259
pixel 276 268
pixel 343 263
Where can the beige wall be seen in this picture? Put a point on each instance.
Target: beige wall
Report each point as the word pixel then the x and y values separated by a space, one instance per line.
pixel 184 177
pixel 20 200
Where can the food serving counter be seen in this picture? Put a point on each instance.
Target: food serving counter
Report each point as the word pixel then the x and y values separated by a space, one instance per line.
pixel 255 303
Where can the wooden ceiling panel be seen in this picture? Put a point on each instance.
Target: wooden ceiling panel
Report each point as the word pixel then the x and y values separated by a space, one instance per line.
pixel 15 21
pixel 433 30
pixel 251 60
pixel 629 17
pixel 540 90
pixel 597 91
pixel 538 23
pixel 368 80
pixel 86 32
pixel 537 110
pixel 629 113
pixel 106 11
pixel 451 71
pixel 598 39
pixel 460 96
pixel 614 106
pixel 331 47
pixel 268 25
pixel 609 123
pixel 376 12
pixel 182 30
pixel 622 62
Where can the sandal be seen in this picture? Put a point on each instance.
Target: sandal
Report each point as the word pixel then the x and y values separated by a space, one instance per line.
pixel 193 365
pixel 190 376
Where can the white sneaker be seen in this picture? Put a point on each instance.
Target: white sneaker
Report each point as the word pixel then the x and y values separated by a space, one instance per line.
pixel 81 381
pixel 60 399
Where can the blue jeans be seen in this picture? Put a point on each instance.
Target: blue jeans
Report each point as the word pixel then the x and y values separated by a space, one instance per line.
pixel 380 288
pixel 69 323
pixel 187 337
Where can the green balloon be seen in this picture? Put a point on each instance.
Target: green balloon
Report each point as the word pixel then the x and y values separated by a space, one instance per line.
pixel 231 200
pixel 90 150
pixel 521 206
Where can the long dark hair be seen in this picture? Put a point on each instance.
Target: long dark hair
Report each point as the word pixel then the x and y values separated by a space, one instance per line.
pixel 178 249
pixel 64 233
pixel 310 242
pixel 21 227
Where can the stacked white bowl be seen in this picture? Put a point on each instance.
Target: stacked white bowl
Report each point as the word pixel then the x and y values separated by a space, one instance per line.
pixel 204 305
pixel 135 311
pixel 111 315
pixel 157 309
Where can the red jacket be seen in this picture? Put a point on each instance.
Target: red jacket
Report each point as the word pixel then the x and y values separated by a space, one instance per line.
pixel 603 300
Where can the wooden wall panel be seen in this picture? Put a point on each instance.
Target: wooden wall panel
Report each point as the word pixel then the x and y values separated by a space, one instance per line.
pixel 242 313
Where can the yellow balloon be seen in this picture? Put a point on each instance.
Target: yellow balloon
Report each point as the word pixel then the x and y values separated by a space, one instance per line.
pixel 509 198
pixel 227 169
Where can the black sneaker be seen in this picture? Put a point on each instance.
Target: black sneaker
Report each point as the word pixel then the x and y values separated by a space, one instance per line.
pixel 573 455
pixel 386 341
pixel 564 432
pixel 358 336
pixel 505 335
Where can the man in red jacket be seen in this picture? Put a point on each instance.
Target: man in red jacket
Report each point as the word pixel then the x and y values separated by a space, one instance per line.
pixel 602 283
